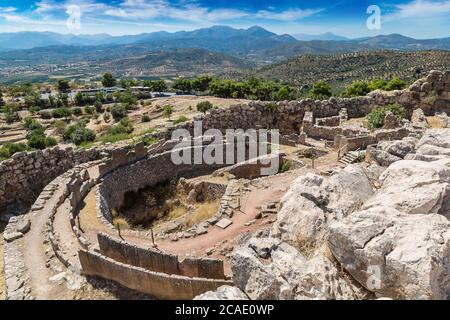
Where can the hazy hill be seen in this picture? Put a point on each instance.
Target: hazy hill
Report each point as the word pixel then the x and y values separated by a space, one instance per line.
pixel 348 67
pixel 327 36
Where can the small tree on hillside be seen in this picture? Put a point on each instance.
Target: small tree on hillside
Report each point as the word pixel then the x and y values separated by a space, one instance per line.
pixel 204 106
pixel 63 86
pixel 108 80
pixel 168 110
pixel 321 90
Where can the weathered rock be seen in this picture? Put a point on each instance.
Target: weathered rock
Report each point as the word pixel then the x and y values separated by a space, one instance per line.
pixel 436 137
pixel 398 148
pixel 257 280
pixel 428 149
pixel 382 157
pixel 288 276
pixel 414 187
pixel 11 236
pixel 23 226
pixel 313 201
pixel 393 254
pixel 223 293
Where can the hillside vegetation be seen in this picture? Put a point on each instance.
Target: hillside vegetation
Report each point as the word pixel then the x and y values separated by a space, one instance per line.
pixel 341 69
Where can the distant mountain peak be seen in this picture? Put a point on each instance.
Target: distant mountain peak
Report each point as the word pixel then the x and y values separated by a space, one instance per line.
pixel 327 36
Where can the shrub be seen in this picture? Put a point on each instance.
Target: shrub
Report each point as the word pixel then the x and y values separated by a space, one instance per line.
pixel 376 117
pixel 321 90
pixel 204 106
pixel 38 141
pixel 98 105
pixel 118 112
pixel 77 111
pixel 286 166
pixel 31 124
pixel 180 119
pixel 60 127
pixel 8 149
pixel 89 110
pixel 145 118
pixel 168 110
pixel 11 116
pixel 357 88
pixel 78 134
pixel 45 114
pixel 61 113
pixel 395 84
pixel 124 126
pixel 377 84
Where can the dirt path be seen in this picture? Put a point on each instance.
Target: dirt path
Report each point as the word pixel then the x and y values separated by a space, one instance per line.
pixel 34 254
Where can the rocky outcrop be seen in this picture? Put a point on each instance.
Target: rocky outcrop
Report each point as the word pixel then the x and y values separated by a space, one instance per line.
pixel 223 293
pixel 413 187
pixel 313 201
pixel 266 268
pixel 394 254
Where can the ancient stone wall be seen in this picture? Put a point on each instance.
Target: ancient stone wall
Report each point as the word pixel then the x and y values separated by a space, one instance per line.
pixel 158 261
pixel 432 94
pixel 146 173
pixel 24 176
pixel 159 285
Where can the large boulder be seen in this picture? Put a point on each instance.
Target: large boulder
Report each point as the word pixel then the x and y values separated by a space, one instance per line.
pixel 284 273
pixel 436 137
pixel 313 201
pixel 381 157
pixel 428 149
pixel 398 148
pixel 252 276
pixel 394 254
pixel 223 293
pixel 414 187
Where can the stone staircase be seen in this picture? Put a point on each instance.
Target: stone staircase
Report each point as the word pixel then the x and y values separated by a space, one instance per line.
pixel 349 158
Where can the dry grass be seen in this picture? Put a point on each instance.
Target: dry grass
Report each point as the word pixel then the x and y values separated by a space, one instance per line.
pixel 435 122
pixel 176 213
pixel 118 221
pixel 306 246
pixel 203 211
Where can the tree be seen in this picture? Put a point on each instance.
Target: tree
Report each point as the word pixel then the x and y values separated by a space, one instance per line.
pixel 63 86
pixel 377 84
pixel 98 106
pixel 395 84
pixel 201 83
pixel 204 106
pixel 108 80
pixel 321 90
pixel 284 93
pixel 118 112
pixel 168 110
pixel 183 85
pixel 376 117
pixel 158 86
pixel 357 88
pixel 78 133
pixel 2 103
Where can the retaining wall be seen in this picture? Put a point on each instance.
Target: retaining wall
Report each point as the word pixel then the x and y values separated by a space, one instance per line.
pixel 158 261
pixel 159 285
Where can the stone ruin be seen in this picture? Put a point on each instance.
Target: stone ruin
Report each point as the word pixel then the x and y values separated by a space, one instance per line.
pixel 50 186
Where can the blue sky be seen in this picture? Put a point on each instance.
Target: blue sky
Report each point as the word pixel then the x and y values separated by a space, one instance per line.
pixel 416 18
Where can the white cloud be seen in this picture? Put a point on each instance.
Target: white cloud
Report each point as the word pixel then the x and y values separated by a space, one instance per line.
pixel 7 9
pixel 288 15
pixel 420 9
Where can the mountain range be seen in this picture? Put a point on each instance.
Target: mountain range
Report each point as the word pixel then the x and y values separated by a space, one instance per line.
pixel 218 48
pixel 218 38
